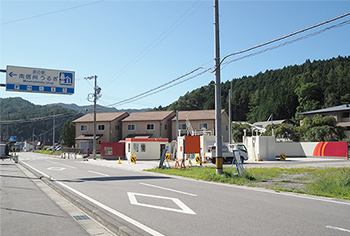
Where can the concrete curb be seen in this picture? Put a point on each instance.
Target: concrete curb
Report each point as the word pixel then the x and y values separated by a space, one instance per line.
pixel 116 226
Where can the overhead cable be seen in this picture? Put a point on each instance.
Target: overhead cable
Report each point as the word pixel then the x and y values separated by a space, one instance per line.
pixel 154 90
pixel 50 13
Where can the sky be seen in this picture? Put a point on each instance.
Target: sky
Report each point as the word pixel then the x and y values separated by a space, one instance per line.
pixel 136 46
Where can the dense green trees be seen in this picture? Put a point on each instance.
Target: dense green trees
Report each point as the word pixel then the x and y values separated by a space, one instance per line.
pixel 67 137
pixel 321 128
pixel 283 92
pixel 25 119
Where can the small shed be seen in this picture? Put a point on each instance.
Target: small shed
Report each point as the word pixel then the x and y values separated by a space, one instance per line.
pixel 113 150
pixel 145 148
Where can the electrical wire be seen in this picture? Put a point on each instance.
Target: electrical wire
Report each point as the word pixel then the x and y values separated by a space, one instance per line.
pixel 21 121
pixel 155 42
pixel 50 13
pixel 157 89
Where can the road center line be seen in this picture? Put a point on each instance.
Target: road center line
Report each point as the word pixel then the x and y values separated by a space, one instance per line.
pixel 98 173
pixel 168 189
pixel 337 228
pixel 114 212
pixel 73 167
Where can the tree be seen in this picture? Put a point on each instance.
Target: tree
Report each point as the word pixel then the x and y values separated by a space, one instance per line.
pixel 320 128
pixel 283 131
pixel 238 131
pixel 68 134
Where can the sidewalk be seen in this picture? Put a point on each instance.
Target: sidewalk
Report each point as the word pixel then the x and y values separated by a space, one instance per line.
pixel 27 210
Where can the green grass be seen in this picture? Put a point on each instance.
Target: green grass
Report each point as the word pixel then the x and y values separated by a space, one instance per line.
pixel 50 152
pixel 330 182
pixel 334 182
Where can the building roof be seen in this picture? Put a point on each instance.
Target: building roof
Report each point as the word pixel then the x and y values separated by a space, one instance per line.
pixel 149 116
pixel 197 115
pixel 275 122
pixel 340 108
pixel 100 117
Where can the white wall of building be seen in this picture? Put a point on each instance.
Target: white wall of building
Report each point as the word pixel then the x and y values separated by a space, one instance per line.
pixel 266 148
pixel 144 150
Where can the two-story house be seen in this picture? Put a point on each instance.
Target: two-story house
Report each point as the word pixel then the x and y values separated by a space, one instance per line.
pixel 108 129
pixel 200 120
pixel 152 124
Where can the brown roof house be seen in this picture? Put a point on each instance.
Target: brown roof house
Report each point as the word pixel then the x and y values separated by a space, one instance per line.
pixel 200 120
pixel 108 129
pixel 150 124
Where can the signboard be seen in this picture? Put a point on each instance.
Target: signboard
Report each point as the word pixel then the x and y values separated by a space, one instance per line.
pixel 13 139
pixel 26 79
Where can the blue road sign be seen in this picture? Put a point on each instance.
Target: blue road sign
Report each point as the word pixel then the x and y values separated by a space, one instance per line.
pixel 25 79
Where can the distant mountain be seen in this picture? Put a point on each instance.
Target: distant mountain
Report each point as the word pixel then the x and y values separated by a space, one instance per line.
pixel 28 121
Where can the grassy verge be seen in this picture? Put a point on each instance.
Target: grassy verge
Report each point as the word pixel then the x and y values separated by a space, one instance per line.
pixel 50 152
pixel 329 182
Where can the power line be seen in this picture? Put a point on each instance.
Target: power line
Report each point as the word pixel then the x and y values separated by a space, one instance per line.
pixel 155 42
pixel 37 118
pixel 289 42
pixel 284 37
pixel 50 13
pixel 163 87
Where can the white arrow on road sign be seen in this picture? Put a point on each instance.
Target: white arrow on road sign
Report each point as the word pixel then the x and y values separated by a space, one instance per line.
pixel 26 79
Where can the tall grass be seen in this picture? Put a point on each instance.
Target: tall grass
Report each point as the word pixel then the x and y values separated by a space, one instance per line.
pixel 333 182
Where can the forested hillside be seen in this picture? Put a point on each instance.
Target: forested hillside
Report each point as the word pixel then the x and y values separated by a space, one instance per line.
pixel 23 119
pixel 283 92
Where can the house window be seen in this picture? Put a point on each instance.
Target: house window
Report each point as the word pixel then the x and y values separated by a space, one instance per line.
pixel 203 125
pixel 101 127
pixel 165 127
pixel 116 127
pixel 226 127
pixel 143 147
pixel 136 147
pixel 131 127
pixel 129 147
pixel 109 151
pixel 182 126
pixel 150 127
pixel 83 128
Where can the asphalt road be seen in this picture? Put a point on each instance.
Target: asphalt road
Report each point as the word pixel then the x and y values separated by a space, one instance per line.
pixel 153 204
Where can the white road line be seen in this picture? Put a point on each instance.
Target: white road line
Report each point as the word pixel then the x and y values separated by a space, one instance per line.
pixel 98 173
pixel 337 228
pixel 296 195
pixel 73 167
pixel 168 189
pixel 183 207
pixel 114 212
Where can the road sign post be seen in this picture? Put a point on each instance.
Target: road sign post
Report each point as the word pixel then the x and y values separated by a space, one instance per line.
pixel 26 79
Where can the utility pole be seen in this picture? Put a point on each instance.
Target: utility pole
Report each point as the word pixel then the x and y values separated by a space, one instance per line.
pixel 230 115
pixel 218 137
pixel 95 96
pixel 53 132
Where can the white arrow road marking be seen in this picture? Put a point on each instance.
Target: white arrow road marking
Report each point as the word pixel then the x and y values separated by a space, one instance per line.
pixel 183 207
pixel 169 189
pixel 56 168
